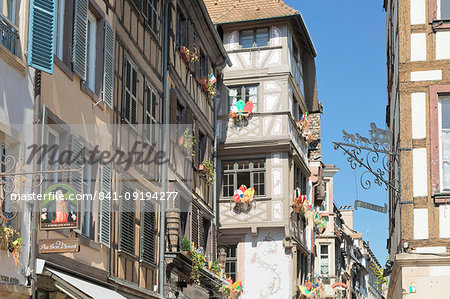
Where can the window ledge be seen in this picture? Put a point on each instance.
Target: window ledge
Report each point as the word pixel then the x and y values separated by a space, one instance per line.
pixel 13 60
pixel 88 242
pixel 440 25
pixel 63 67
pixel 126 254
pixel 255 49
pixel 442 198
pixel 96 99
pixel 228 199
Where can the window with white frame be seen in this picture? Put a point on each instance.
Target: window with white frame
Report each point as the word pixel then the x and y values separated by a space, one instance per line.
pixel 89 178
pixel 151 13
pixel 324 260
pixel 59 28
pixel 245 93
pixel 443 9
pixel 254 38
pixel 8 10
pixel 130 84
pixel 444 148
pixel 91 51
pixel 231 262
pixel 50 162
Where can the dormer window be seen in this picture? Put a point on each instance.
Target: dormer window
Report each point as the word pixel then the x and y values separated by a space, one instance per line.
pixel 254 38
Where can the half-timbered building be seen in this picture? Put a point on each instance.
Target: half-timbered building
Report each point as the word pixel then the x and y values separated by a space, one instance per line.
pixel 267 245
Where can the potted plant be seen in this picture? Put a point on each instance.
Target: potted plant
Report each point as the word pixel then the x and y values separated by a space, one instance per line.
pixel 208 168
pixel 189 54
pixel 204 83
pixel 211 90
pixel 10 240
pixel 188 141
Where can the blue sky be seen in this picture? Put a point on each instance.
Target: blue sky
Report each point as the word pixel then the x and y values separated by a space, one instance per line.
pixel 349 37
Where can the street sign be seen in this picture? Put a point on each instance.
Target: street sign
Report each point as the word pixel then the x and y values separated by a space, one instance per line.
pixel 369 206
pixel 59 245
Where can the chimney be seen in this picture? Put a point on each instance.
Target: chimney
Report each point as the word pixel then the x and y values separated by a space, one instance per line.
pixel 347 215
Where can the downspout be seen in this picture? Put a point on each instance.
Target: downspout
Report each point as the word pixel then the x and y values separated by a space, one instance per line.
pixel 34 216
pixel 225 61
pixel 164 143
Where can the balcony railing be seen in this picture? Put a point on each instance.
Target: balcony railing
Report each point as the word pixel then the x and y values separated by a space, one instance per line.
pixel 8 35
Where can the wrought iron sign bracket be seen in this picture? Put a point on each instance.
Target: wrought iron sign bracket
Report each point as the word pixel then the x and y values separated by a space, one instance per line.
pixel 376 156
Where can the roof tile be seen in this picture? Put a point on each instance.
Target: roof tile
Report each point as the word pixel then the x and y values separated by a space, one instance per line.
pixel 227 11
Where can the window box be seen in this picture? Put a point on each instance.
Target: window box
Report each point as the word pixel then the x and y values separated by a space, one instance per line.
pixel 189 55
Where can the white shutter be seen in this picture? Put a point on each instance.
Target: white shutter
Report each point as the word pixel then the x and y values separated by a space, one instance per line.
pixel 105 204
pixel 80 27
pixel 108 65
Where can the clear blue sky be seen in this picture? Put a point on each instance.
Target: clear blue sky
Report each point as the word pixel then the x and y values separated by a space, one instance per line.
pixel 350 41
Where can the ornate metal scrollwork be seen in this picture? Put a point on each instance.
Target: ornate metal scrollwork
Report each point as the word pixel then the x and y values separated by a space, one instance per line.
pixel 14 175
pixel 375 155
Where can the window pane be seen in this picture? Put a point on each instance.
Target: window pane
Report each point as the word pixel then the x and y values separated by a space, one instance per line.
pixel 446 145
pixel 245 164
pixel 323 249
pixel 262 37
pixel 446 175
pixel 233 96
pixel 445 9
pixel 243 178
pixel 247 39
pixel 445 106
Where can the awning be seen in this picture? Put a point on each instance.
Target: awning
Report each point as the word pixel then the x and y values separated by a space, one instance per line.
pixel 72 286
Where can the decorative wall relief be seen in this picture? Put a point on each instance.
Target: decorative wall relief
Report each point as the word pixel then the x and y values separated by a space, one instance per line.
pixel 233 40
pixel 275 58
pixel 270 102
pixel 276 36
pixel 277 210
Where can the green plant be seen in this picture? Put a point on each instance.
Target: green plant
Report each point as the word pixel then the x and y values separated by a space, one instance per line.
pixel 211 89
pixel 10 239
pixel 378 271
pixel 209 169
pixel 198 262
pixel 185 244
pixel 189 141
pixel 216 268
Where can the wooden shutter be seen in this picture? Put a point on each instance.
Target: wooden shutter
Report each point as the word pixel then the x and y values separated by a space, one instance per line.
pixel 80 25
pixel 41 40
pixel 149 233
pixel 127 229
pixel 201 233
pixel 77 162
pixel 105 204
pixel 194 226
pixel 108 65
pixel 134 87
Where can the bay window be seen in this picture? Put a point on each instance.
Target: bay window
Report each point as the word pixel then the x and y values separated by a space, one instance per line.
pixel 250 173
pixel 324 260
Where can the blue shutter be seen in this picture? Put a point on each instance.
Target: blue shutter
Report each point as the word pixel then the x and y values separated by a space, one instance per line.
pixel 41 39
pixel 80 27
pixel 108 65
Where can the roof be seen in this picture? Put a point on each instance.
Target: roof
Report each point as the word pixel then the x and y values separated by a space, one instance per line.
pixel 230 11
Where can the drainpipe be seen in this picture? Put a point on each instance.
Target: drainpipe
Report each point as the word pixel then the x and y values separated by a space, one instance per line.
pixel 164 142
pixel 225 61
pixel 34 215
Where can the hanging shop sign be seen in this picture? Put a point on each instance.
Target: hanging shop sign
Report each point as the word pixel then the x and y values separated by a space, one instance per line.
pixel 59 245
pixel 59 208
pixel 366 205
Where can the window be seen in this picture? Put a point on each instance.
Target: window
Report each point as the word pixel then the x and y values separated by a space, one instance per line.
pixel 201 147
pixel 444 116
pixel 51 159
pixel 204 67
pixel 250 173
pixel 205 233
pixel 150 11
pixel 150 114
pixel 8 9
pixel 181 115
pixel 324 261
pixel 87 227
pixel 182 30
pixel 59 28
pixel 443 10
pixel 91 51
pixel 130 92
pixel 299 180
pixel 254 38
pixel 231 262
pixel 297 68
pixel 245 93
pixel 324 206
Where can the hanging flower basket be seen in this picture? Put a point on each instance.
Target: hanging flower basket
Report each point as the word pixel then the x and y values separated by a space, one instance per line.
pixel 208 168
pixel 188 141
pixel 204 83
pixel 10 240
pixel 189 54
